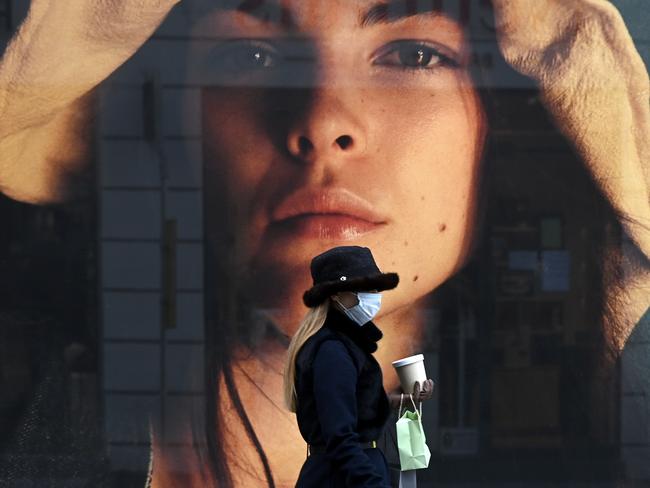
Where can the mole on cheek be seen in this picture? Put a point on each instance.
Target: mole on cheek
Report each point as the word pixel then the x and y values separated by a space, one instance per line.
pixel 442 227
pixel 415 278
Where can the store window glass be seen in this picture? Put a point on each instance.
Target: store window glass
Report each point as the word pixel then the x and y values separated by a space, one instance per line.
pixel 168 169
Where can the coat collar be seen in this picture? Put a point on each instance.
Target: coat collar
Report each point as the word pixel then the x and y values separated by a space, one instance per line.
pixel 365 336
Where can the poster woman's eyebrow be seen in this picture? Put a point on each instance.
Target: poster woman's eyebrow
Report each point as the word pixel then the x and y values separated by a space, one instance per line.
pixel 267 11
pixel 394 10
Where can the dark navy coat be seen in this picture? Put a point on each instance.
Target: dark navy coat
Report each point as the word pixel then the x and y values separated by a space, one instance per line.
pixel 341 403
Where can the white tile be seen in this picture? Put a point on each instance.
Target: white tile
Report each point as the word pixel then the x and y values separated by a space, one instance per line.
pixel 171 57
pixel 183 413
pixel 128 163
pixel 498 74
pixel 181 112
pixel 133 214
pixel 184 163
pixel 189 317
pixel 178 22
pixel 128 417
pixel 177 108
pixel 634 420
pixel 635 462
pixel 180 61
pixel 189 266
pixel 120 110
pixel 143 65
pixel 187 208
pixel 635 368
pixel 161 59
pixel 184 367
pixel 131 265
pixel 131 315
pixel 132 367
pixel 128 458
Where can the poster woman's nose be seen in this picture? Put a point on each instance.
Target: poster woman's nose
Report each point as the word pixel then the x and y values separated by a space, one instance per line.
pixel 327 129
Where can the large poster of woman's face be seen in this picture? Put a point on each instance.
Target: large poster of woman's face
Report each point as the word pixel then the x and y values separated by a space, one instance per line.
pixel 169 169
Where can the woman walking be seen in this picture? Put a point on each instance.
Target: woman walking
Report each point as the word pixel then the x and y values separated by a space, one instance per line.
pixel 332 380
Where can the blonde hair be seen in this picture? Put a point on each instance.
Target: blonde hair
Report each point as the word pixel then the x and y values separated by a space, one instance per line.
pixel 311 324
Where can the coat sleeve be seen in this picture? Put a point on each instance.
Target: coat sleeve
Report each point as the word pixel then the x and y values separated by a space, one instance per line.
pixel 335 379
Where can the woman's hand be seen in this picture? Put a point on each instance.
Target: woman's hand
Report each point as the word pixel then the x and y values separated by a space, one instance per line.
pixel 425 393
pixel 419 394
pixel 60 53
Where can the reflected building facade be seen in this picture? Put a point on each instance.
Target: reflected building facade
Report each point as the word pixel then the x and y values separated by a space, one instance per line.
pixel 521 396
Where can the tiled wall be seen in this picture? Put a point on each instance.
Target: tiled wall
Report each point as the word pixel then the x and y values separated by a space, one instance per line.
pixel 150 371
pixel 635 402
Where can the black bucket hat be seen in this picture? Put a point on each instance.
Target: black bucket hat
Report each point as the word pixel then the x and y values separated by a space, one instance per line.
pixel 346 268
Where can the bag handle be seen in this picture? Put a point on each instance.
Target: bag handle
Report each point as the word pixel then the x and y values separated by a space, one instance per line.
pixel 419 412
pixel 401 400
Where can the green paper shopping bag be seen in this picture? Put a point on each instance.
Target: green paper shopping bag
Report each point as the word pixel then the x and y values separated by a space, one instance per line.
pixel 411 441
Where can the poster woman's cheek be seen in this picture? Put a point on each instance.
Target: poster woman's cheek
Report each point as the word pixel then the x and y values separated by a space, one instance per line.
pixel 379 145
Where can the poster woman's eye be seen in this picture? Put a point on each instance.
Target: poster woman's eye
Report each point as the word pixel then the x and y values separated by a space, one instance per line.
pixel 245 56
pixel 412 55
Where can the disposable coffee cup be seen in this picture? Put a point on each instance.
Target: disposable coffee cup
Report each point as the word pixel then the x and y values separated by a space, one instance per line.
pixel 410 370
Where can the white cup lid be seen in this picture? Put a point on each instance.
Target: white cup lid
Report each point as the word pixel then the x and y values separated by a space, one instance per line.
pixel 409 360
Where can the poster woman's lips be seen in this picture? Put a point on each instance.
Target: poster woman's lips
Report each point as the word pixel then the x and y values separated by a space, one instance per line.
pixel 331 213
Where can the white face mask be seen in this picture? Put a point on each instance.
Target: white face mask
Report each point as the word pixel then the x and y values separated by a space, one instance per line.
pixel 364 311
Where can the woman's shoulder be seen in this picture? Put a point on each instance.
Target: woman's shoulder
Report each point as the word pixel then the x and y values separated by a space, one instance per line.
pixel 313 343
pixel 330 342
pixel 333 357
pixel 335 348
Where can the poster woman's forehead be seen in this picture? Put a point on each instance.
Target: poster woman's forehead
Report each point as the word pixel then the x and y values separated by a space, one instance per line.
pixel 305 15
